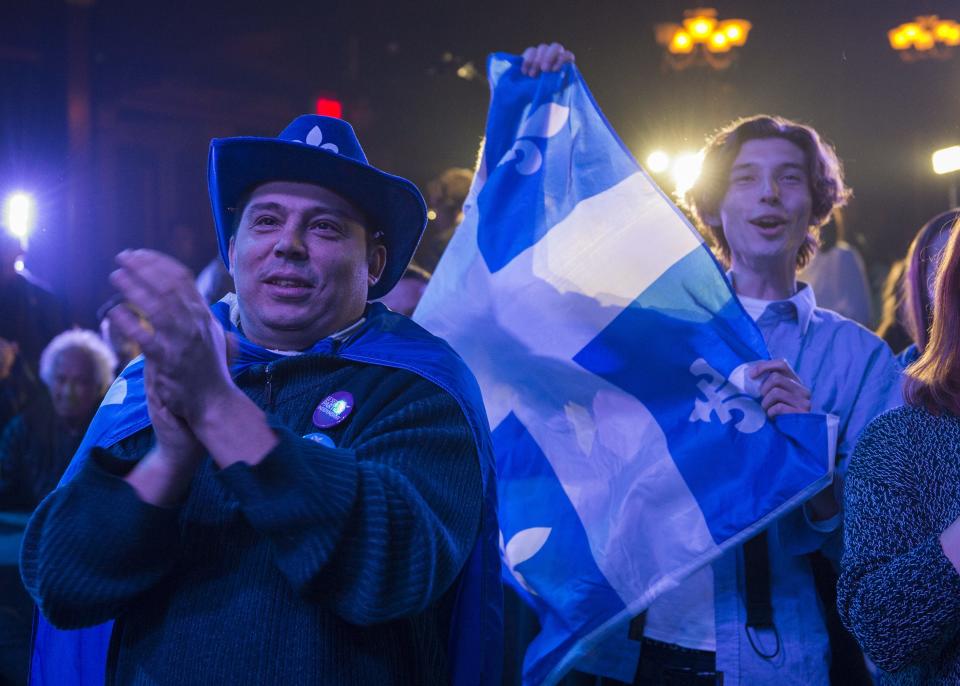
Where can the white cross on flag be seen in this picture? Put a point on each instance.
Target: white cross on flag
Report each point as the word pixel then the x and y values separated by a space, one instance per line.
pixel 611 353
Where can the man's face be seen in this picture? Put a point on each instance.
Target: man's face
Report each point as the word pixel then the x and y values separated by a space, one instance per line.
pixel 301 265
pixel 765 213
pixel 74 388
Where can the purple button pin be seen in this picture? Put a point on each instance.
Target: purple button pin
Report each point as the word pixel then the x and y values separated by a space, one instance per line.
pixel 333 409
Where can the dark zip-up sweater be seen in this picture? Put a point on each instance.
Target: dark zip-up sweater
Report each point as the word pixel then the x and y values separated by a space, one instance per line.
pixel 317 566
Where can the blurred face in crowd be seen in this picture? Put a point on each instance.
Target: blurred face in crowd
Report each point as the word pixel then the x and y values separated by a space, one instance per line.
pixel 8 355
pixel 301 263
pixel 124 347
pixel 765 213
pixel 404 297
pixel 75 388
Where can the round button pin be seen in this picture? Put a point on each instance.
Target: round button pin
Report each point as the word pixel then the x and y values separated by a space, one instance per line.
pixel 322 439
pixel 333 409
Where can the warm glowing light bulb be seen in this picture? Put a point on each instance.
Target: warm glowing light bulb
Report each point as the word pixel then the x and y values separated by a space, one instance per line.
pixel 899 40
pixel 431 214
pixel 681 43
pixel 718 43
pixel 658 161
pixel 701 27
pixel 948 32
pixel 735 31
pixel 924 41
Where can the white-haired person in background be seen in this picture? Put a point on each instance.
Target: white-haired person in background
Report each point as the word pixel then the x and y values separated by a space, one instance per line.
pixel 77 369
pixel 35 448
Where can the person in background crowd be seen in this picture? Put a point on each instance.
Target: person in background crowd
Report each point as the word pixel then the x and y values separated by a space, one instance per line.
pixel 77 368
pixel 186 244
pixel 837 275
pixel 29 314
pixel 922 261
pixel 899 591
pixel 124 348
pixel 892 328
pixel 214 281
pixel 445 196
pixel 29 317
pixel 18 385
pixel 35 448
pixel 403 297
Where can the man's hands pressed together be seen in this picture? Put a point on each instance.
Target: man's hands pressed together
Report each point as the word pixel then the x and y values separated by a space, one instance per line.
pixel 194 405
pixel 178 335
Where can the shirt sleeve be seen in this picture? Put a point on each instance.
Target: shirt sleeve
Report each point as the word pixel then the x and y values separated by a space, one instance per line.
pixel 377 530
pixel 898 593
pixel 877 387
pixel 92 545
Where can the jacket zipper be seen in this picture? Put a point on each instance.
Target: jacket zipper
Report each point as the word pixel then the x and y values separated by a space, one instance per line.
pixel 269 388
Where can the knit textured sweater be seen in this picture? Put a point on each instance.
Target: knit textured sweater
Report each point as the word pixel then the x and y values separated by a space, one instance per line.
pixel 898 592
pixel 318 565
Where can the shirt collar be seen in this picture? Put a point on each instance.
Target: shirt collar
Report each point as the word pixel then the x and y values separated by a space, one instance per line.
pixel 806 303
pixel 339 336
pixel 802 303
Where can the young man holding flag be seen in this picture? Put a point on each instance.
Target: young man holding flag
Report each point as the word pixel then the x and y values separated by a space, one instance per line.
pixel 767 184
pixel 637 434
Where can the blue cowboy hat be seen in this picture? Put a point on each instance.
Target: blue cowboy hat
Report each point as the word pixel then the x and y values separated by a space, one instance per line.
pixel 323 151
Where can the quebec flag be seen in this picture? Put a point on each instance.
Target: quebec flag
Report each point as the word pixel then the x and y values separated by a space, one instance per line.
pixel 611 353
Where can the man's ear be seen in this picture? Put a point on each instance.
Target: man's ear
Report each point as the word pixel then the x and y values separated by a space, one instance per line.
pixel 376 261
pixel 231 253
pixel 712 219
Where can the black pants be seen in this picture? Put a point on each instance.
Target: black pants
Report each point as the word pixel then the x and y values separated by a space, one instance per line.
pixel 663 664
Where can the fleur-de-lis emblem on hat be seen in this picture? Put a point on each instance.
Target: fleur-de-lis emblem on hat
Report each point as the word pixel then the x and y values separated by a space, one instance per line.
pixel 315 138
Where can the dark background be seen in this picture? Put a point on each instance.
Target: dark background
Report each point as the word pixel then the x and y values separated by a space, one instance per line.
pixel 107 107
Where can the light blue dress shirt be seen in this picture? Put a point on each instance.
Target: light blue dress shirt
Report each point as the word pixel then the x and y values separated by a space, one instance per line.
pixel 852 374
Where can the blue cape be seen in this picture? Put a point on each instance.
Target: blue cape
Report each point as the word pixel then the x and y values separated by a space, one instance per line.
pixel 79 657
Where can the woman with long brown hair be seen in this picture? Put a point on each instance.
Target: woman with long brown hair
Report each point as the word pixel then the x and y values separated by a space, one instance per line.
pixel 899 591
pixel 923 258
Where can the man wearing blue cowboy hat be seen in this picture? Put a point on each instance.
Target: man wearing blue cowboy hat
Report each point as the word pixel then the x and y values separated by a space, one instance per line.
pixel 317 509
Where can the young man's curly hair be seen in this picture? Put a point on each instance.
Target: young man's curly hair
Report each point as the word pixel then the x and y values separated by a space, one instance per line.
pixel 827 188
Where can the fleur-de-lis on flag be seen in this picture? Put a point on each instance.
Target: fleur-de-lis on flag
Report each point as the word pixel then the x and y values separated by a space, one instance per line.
pixel 545 122
pixel 524 545
pixel 723 395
